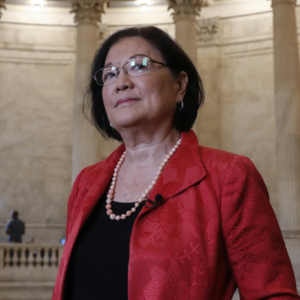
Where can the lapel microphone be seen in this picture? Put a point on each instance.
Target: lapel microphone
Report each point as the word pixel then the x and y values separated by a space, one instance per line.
pixel 158 198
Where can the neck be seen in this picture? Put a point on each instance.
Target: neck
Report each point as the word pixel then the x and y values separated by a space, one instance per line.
pixel 144 148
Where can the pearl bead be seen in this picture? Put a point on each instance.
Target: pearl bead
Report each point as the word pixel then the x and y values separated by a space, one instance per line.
pixel 112 187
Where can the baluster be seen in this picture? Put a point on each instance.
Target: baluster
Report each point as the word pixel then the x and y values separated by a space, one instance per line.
pixel 14 257
pixel 50 257
pixel 2 258
pixel 43 257
pixel 46 258
pixel 59 255
pixel 26 256
pixel 23 257
pixel 56 257
pixel 18 256
pixel 38 258
pixel 30 259
pixel 5 258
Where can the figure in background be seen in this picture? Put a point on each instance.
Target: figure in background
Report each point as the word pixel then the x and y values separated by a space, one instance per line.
pixel 15 228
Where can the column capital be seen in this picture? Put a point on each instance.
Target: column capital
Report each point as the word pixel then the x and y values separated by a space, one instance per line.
pixel 2 6
pixel 103 30
pixel 207 29
pixel 292 2
pixel 87 11
pixel 184 9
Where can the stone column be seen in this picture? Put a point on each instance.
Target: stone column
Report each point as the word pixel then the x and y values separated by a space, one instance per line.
pixel 85 137
pixel 185 13
pixel 2 6
pixel 207 126
pixel 287 105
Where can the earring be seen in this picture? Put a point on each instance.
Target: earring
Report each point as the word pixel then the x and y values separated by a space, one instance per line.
pixel 111 125
pixel 182 105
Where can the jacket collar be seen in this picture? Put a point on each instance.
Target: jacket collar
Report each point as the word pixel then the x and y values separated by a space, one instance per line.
pixel 183 170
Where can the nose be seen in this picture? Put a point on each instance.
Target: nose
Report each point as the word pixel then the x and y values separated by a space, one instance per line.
pixel 123 80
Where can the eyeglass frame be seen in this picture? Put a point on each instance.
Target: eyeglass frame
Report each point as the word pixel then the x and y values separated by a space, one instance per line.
pixel 125 72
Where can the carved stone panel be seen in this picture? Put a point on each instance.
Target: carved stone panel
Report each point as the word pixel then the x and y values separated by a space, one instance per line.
pixel 2 6
pixel 207 29
pixel 185 8
pixel 87 11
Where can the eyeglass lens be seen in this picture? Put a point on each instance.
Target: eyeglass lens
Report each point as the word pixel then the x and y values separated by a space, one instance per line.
pixel 135 67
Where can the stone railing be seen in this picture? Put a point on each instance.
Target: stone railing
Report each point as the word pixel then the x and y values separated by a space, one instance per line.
pixel 28 271
pixel 29 256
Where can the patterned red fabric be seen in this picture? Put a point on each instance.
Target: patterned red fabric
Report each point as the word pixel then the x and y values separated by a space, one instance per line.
pixel 214 230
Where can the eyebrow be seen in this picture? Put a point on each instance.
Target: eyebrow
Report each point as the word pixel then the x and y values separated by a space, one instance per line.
pixel 131 57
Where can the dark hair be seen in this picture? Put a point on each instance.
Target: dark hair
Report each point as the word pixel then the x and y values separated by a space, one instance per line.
pixel 15 214
pixel 175 58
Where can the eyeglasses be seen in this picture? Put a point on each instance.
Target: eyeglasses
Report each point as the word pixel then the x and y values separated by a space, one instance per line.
pixel 137 66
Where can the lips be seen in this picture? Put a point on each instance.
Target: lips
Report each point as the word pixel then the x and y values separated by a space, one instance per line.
pixel 126 100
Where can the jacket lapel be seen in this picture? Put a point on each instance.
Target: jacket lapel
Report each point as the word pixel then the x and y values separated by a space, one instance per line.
pixel 102 176
pixel 183 170
pixel 98 187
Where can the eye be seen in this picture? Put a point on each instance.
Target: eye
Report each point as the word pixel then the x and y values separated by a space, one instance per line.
pixel 139 65
pixel 108 74
pixel 136 66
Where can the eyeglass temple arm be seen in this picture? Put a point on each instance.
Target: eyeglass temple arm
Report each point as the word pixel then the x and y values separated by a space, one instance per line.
pixel 158 62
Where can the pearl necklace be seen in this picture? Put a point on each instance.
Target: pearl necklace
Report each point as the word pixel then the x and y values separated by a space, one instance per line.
pixel 111 192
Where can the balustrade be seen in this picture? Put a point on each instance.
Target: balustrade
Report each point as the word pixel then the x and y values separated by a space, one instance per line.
pixel 29 256
pixel 29 263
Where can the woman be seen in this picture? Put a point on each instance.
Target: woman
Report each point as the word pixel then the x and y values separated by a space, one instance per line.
pixel 162 218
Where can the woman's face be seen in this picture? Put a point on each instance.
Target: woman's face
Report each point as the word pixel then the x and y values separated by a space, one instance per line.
pixel 149 100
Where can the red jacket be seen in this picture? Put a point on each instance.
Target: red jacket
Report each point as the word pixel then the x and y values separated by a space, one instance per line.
pixel 214 230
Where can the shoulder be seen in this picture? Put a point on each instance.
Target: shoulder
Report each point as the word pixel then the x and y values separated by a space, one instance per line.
pixel 89 175
pixel 220 160
pixel 229 170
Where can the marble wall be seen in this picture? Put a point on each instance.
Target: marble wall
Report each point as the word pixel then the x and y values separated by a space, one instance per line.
pixel 247 93
pixel 36 100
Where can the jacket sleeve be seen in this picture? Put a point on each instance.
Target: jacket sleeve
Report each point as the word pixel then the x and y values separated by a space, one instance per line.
pixel 71 202
pixel 255 247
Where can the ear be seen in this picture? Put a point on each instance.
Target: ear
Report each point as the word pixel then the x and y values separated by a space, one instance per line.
pixel 182 82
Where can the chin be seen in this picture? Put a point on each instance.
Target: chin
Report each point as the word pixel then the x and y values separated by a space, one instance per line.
pixel 127 123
